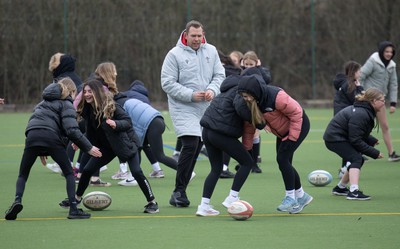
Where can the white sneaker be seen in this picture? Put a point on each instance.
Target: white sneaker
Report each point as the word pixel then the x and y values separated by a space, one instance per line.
pixel 206 210
pixel 104 168
pixel 120 175
pixel 54 167
pixel 128 183
pixel 157 174
pixel 229 200
pixel 193 176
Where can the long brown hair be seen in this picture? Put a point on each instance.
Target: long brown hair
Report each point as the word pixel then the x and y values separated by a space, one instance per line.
pixel 351 69
pixel 256 115
pixel 103 103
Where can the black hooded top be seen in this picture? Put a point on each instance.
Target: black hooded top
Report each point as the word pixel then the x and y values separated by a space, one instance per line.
pixel 381 48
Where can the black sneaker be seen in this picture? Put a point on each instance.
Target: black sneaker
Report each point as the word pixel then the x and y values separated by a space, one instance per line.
pixel 78 214
pixel 340 191
pixel 151 208
pixel 179 199
pixel 394 157
pixel 256 169
pixel 357 195
pixel 227 174
pixel 14 210
pixel 65 203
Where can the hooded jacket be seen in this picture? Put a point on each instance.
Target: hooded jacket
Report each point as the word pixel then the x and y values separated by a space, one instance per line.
pixel 183 72
pixel 221 116
pixel 354 125
pixel 283 115
pixel 374 73
pixel 137 90
pixel 66 68
pixel 342 97
pixel 59 116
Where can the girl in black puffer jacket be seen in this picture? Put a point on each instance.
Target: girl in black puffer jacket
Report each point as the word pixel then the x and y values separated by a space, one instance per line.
pixel 109 127
pixel 52 123
pixel 348 135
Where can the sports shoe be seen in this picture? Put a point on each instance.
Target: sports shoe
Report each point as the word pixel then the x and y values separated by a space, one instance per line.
pixel 179 199
pixel 256 169
pixel 229 200
pixel 78 214
pixel 157 174
pixel 288 205
pixel 128 183
pixel 99 183
pixel 357 195
pixel 66 204
pixel 120 175
pixel 394 157
pixel 54 167
pixel 192 176
pixel 104 168
pixel 14 210
pixel 151 208
pixel 303 202
pixel 340 191
pixel 227 174
pixel 206 210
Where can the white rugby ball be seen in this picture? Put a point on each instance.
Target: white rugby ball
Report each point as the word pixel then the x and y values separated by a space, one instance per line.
pixel 97 200
pixel 240 210
pixel 320 178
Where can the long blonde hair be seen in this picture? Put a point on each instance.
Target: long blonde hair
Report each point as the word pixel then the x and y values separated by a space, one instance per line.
pixel 107 71
pixel 256 115
pixel 103 103
pixel 68 88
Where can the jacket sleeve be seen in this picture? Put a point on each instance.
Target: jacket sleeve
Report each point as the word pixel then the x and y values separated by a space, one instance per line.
pixel 248 134
pixel 293 111
pixel 71 127
pixel 170 77
pixel 357 131
pixel 218 75
pixel 393 87
pixel 122 120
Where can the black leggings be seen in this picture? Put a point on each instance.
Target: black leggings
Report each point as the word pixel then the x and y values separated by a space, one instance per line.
pixel 191 146
pixel 216 144
pixel 347 152
pixel 284 156
pixel 95 163
pixel 154 141
pixel 57 152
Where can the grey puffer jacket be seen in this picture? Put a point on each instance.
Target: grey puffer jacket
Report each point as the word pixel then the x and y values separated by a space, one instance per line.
pixel 58 115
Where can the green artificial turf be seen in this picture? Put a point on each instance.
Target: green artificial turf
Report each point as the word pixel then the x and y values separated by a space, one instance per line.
pixel 328 222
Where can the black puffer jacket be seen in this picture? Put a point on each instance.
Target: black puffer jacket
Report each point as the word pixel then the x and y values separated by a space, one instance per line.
pixel 59 116
pixel 342 97
pixel 122 140
pixel 221 115
pixel 354 125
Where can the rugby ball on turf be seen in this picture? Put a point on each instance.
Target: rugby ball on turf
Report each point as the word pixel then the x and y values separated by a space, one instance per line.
pixel 97 200
pixel 320 178
pixel 240 210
